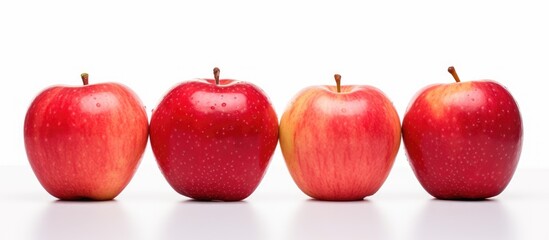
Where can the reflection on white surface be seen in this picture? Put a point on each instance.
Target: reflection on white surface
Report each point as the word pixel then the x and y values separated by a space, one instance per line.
pixel 464 220
pixel 29 213
pixel 338 220
pixel 212 220
pixel 83 220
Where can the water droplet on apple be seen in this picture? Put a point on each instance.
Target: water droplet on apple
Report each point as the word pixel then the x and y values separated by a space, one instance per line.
pixel 343 110
pixel 212 107
pixel 98 104
pixel 223 104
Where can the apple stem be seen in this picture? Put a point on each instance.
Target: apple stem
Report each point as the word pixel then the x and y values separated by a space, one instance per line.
pixel 338 82
pixel 84 77
pixel 452 71
pixel 216 75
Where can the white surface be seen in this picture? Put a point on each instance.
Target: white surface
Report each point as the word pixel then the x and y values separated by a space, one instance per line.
pixel 150 209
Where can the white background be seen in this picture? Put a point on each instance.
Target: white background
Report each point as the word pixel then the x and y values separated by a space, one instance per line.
pixel 281 46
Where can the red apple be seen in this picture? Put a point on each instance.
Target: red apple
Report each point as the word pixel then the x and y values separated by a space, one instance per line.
pixel 463 139
pixel 213 138
pixel 85 142
pixel 340 142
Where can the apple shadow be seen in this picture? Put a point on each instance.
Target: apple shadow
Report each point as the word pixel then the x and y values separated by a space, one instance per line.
pixel 193 219
pixel 338 220
pixel 84 220
pixel 447 219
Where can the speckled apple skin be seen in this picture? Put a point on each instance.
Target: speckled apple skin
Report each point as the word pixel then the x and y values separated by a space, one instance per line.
pixel 463 140
pixel 340 146
pixel 85 142
pixel 214 142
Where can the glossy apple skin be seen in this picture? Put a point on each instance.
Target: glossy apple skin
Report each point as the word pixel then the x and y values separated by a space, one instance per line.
pixel 340 146
pixel 463 140
pixel 214 142
pixel 85 142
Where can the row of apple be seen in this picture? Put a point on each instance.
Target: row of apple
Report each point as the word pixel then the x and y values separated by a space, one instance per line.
pixel 213 139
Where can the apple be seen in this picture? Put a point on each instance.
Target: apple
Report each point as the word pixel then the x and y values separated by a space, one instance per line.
pixel 340 142
pixel 463 139
pixel 85 142
pixel 213 138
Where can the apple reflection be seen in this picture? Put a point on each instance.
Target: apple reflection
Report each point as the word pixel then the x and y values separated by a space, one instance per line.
pixel 84 220
pixel 339 220
pixel 229 102
pixel 449 220
pixel 213 220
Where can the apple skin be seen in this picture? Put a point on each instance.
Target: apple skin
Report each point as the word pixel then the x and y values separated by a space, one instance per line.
pixel 463 140
pixel 214 142
pixel 85 142
pixel 340 146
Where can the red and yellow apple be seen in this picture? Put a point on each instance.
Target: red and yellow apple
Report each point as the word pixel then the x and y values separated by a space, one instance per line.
pixel 463 139
pixel 85 142
pixel 213 138
pixel 340 142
